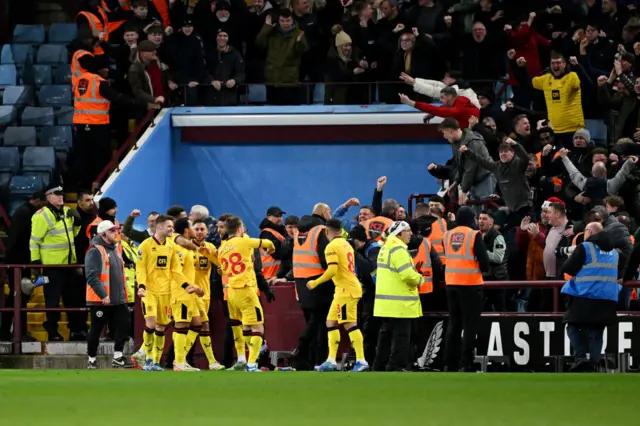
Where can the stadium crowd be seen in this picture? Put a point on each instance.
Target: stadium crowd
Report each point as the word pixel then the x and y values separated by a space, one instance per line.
pixel 531 169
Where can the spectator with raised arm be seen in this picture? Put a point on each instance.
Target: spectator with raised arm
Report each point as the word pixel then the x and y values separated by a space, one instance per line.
pixel 458 107
pixel 432 88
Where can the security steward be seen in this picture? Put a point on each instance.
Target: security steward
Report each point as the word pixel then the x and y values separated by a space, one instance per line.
pixel 272 229
pixel 97 19
pixel 106 294
pixel 92 97
pixel 53 229
pixel 591 295
pixel 397 300
pixel 83 59
pixel 366 260
pixel 467 260
pixel 309 263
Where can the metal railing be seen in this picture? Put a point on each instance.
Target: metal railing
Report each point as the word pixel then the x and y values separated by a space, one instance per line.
pixel 18 310
pixel 452 206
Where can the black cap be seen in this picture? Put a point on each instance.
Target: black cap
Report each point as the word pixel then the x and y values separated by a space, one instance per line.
pixel 275 211
pixel 54 188
pixel 628 57
pixel 38 195
pixel 188 22
pixel 223 5
pixel 358 233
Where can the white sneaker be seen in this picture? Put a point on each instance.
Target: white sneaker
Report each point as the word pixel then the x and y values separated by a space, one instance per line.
pixel 216 366
pixel 184 367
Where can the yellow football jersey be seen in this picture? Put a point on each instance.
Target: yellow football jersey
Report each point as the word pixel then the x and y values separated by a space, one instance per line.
pixel 236 260
pixel 157 264
pixel 203 269
pixel 339 252
pixel 188 262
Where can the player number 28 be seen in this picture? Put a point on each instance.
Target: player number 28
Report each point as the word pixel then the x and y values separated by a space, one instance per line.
pixel 235 265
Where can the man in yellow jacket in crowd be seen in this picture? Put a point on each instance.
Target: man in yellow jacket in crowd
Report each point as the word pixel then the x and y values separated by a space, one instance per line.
pixel 397 300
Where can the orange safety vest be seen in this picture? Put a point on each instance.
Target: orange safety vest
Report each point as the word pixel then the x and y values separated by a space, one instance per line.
pixel 574 243
pixel 95 223
pixel 306 261
pixel 89 105
pixel 97 26
pixel 91 295
pixel 633 240
pixel 270 265
pixel 162 6
pixel 76 68
pixel 422 261
pixel 376 226
pixel 438 229
pixel 462 265
pixel 557 182
pixel 124 5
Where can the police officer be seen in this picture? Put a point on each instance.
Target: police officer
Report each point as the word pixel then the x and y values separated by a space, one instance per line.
pixel 397 300
pixel 592 295
pixel 467 259
pixel 92 97
pixel 53 229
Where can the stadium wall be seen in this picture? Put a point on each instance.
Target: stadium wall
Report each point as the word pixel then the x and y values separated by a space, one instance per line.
pixel 239 161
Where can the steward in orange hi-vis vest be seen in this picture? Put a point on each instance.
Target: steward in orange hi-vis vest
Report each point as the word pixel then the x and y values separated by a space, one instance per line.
pixel 422 262
pixel 90 107
pixel 462 265
pixel 376 226
pixel 99 24
pixel 438 228
pixel 270 265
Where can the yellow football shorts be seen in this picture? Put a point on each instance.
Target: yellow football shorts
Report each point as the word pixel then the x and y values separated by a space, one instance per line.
pixel 203 308
pixel 244 305
pixel 185 308
pixel 158 306
pixel 344 309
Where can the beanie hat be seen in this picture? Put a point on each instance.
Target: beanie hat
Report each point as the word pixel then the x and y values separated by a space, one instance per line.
pixel 105 204
pixel 342 38
pixel 466 217
pixel 500 218
pixel 583 133
pixel 358 233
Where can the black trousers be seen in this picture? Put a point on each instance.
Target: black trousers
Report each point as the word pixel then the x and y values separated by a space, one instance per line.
pixel 283 95
pixel 92 153
pixel 65 283
pixel 118 315
pixel 313 344
pixel 394 345
pixel 370 326
pixel 465 308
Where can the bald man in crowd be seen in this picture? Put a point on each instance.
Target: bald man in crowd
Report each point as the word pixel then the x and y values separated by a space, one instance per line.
pixel 591 295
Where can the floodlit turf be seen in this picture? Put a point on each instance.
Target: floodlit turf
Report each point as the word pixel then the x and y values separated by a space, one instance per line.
pixel 114 398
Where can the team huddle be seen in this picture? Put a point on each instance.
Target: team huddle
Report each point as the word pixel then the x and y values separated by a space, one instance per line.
pixel 173 275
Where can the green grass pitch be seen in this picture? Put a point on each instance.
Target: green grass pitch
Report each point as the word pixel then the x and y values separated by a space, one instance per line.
pixel 114 398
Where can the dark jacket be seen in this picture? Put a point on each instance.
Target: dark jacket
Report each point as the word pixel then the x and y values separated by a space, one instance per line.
pixel 139 79
pixel 580 310
pixel 93 268
pixel 366 266
pixel 625 105
pixel 189 58
pixel 134 234
pixel 339 71
pixel 280 229
pixel 224 66
pixel 284 54
pixel 19 233
pixel 323 294
pixel 621 240
pixel 81 241
pixel 495 242
pixel 468 172
pixel 513 183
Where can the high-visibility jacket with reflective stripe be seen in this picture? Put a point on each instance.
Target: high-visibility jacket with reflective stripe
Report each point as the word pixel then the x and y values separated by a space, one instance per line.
pixel 95 224
pixel 462 266
pixel 76 68
pixel 124 5
pixel 52 237
pixel 438 229
pixel 89 106
pixel 422 262
pixel 397 282
pixel 130 272
pixel 376 226
pixel 270 265
pixel 306 261
pixel 97 26
pixel 598 278
pixel 91 295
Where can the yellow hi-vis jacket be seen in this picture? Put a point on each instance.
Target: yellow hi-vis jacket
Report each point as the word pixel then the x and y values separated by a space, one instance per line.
pixel 397 282
pixel 52 237
pixel 130 271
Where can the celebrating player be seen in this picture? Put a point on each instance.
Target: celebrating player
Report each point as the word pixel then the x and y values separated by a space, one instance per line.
pixel 344 307
pixel 158 264
pixel 207 254
pixel 236 261
pixel 184 299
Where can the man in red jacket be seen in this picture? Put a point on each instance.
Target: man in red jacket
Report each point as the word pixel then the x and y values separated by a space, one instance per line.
pixel 458 107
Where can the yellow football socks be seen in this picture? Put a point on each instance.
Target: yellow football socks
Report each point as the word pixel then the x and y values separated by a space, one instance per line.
pixel 255 343
pixel 194 331
pixel 357 341
pixel 334 342
pixel 238 340
pixel 180 344
pixel 246 335
pixel 158 346
pixel 205 342
pixel 147 339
